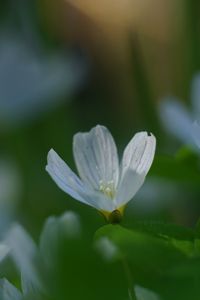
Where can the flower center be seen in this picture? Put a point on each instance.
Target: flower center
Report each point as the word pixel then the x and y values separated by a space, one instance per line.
pixel 108 188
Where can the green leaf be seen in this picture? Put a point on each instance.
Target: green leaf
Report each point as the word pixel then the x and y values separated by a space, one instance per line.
pixel 181 168
pixel 185 246
pixel 76 271
pixel 156 264
pixel 186 269
pixel 163 229
pixel 147 254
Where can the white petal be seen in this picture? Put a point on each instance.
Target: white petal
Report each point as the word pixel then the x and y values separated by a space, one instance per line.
pixel 176 119
pixel 195 132
pixel 107 249
pixel 139 153
pixel 99 201
pixel 69 182
pixel 145 294
pixel 8 291
pixel 129 186
pixel 195 96
pixel 29 286
pixel 23 250
pixel 64 177
pixel 55 230
pixel 96 156
pixel 24 253
pixel 71 224
pixel 4 249
pixel 136 162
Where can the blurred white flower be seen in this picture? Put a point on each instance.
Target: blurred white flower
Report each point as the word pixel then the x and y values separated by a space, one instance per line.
pixel 148 198
pixel 31 83
pixel 26 255
pixel 196 133
pixel 4 250
pixel 177 118
pixel 103 184
pixel 55 228
pixel 145 294
pixel 8 291
pixel 106 248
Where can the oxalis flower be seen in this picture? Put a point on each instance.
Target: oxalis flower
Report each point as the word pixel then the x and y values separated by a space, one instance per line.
pixel 104 183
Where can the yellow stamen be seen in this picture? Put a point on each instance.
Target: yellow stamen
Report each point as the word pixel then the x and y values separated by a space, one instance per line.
pixel 115 216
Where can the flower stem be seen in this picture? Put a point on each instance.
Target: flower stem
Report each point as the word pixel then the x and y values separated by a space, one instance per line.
pixel 127 271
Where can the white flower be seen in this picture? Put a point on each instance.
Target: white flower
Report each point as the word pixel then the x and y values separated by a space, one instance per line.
pixel 8 291
pixel 4 250
pixel 20 246
pixel 107 249
pixel 32 83
pixel 177 118
pixel 103 183
pixel 145 294
pixel 196 133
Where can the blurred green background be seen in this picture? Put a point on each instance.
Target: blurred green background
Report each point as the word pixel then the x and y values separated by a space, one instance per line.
pixel 66 66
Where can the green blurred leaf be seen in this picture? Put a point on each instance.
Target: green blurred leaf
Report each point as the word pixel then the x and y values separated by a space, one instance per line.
pixel 197 229
pixel 155 263
pixel 186 269
pixel 179 236
pixel 187 156
pixel 182 168
pixel 147 254
pixel 77 271
pixel 165 230
pixel 197 239
pixel 185 246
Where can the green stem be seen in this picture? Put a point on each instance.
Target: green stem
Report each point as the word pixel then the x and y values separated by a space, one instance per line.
pixel 192 33
pixel 144 89
pixel 129 277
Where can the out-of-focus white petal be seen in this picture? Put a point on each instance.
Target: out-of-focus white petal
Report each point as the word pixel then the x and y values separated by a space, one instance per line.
pixel 96 156
pixel 195 96
pixel 55 230
pixel 24 252
pixel 154 189
pixel 29 288
pixel 4 249
pixel 9 291
pixel 145 294
pixel 71 224
pixel 23 249
pixel 32 83
pixel 139 154
pixel 176 119
pixel 195 132
pixel 107 249
pixel 130 184
pixel 65 178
